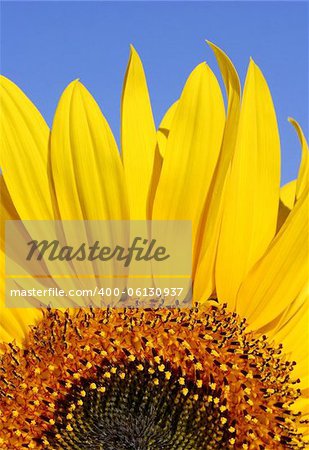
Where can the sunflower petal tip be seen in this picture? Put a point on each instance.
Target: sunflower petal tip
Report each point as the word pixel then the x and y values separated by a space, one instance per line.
pixel 74 82
pixel 211 44
pixel 253 66
pixel 291 120
pixel 133 51
pixel 6 81
pixel 72 88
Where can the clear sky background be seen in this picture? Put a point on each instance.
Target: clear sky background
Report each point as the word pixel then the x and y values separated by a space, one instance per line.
pixel 45 45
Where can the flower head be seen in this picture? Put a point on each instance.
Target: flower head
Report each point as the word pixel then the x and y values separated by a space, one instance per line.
pixel 229 372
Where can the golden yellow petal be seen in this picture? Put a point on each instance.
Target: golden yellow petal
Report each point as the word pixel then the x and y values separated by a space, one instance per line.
pixel 7 212
pixel 138 136
pixel 280 275
pixel 284 321
pixel 287 194
pixel 165 126
pixel 24 153
pixel 302 404
pixel 252 189
pixel 156 172
pixel 14 322
pixel 286 202
pixel 192 150
pixel 204 281
pixel 7 209
pixel 86 166
pixel 291 329
pixel 303 173
pixel 293 333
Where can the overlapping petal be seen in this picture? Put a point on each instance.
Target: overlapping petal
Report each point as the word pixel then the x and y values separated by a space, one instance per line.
pixel 192 150
pixel 287 194
pixel 204 280
pixel 165 126
pixel 281 274
pixel 286 202
pixel 138 136
pixel 24 187
pixel 252 189
pixel 86 167
pixel 24 153
pixel 303 173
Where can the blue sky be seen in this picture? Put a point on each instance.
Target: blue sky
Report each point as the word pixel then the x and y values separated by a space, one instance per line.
pixel 47 44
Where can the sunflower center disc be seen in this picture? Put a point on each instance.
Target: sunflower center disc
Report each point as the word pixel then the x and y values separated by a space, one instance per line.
pixel 140 408
pixel 151 379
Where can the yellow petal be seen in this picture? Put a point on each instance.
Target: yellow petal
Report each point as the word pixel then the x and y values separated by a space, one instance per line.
pixel 7 209
pixel 280 275
pixel 165 126
pixel 192 150
pixel 138 136
pixel 294 335
pixel 87 171
pixel 204 282
pixel 287 194
pixel 14 322
pixel 162 137
pixel 302 404
pixel 156 172
pixel 7 212
pixel 286 203
pixel 166 122
pixel 252 189
pixel 86 166
pixel 287 327
pixel 24 153
pixel 284 321
pixel 303 173
pixel 229 74
pixel 291 191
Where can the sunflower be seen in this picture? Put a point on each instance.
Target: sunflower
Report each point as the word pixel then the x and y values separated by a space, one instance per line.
pixel 229 372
